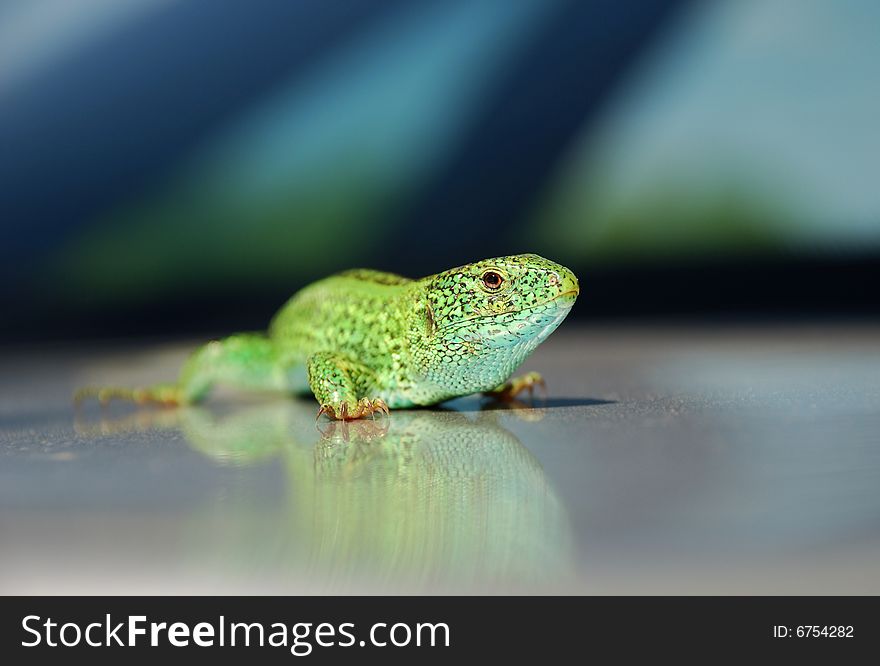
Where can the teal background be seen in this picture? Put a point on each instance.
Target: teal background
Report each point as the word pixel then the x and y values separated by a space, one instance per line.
pixel 185 165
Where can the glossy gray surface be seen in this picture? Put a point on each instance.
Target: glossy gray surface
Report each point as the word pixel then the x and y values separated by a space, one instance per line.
pixel 664 461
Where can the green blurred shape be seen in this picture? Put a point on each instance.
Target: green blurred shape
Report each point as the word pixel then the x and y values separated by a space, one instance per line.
pixel 586 219
pixel 207 236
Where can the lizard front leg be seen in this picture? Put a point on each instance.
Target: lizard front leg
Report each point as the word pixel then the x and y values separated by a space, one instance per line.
pixel 340 386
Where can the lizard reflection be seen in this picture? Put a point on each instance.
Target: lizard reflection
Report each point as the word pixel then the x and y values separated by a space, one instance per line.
pixel 425 500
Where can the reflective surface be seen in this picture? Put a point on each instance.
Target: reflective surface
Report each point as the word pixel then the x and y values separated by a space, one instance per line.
pixel 663 461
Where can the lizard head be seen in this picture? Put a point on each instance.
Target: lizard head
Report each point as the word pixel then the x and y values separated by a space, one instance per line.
pixel 484 318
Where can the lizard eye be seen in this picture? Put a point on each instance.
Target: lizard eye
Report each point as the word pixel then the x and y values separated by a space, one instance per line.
pixel 492 280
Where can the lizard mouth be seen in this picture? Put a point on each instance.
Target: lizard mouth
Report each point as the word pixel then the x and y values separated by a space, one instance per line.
pixel 566 295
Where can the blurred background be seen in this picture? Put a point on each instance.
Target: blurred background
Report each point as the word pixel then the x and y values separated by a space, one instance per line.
pixel 182 166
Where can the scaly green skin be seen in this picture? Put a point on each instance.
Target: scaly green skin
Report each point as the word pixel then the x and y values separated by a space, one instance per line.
pixel 363 340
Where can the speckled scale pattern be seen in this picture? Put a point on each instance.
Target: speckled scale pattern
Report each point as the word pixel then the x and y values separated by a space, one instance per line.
pixel 355 317
pixel 481 335
pixel 427 340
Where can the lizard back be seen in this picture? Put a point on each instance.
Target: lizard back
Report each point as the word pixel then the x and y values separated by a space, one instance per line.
pixel 359 312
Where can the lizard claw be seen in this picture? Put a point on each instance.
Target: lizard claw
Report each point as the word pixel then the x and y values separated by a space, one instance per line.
pixel 513 387
pixel 542 387
pixel 326 409
pixel 365 407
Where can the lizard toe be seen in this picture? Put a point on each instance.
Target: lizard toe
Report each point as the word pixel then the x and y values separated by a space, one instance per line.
pixel 326 409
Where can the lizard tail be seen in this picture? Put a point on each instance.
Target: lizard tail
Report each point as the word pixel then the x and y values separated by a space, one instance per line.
pixel 168 395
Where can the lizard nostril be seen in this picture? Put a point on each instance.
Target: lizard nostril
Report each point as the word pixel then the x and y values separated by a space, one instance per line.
pixel 553 280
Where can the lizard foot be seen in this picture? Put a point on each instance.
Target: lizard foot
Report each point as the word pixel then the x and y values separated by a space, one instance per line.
pixel 342 411
pixel 510 389
pixel 164 395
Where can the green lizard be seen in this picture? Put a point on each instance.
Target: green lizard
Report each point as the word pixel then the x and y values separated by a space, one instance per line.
pixel 364 341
